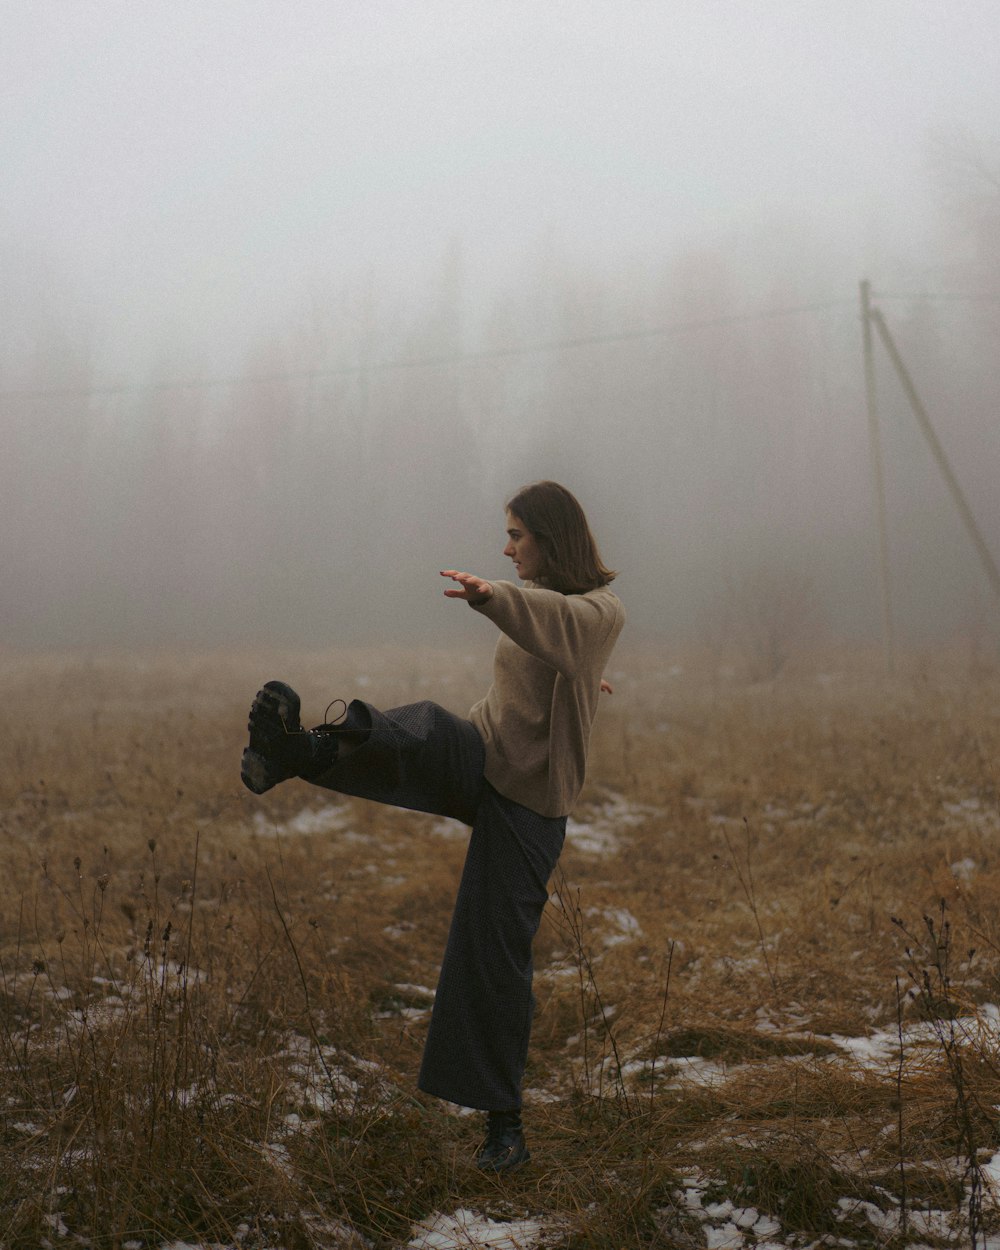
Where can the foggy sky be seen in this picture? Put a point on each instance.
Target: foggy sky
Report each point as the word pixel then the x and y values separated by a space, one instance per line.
pixel 221 190
pixel 187 173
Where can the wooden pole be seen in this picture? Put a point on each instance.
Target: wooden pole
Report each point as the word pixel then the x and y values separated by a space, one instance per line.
pixel 878 477
pixel 924 421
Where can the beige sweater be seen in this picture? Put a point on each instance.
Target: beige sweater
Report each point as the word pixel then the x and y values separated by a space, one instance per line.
pixel 537 715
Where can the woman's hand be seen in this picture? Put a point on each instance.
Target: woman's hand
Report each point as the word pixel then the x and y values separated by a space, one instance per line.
pixel 606 686
pixel 473 589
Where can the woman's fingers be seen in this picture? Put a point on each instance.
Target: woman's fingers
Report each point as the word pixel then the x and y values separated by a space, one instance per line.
pixel 466 579
pixel 473 588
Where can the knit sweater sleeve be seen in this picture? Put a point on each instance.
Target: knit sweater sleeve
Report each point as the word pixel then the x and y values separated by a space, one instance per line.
pixel 560 630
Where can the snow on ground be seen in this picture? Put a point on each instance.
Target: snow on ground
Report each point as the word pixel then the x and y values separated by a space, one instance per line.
pixel 971 812
pixel 310 821
pixel 730 1227
pixel 412 1002
pixel 467 1230
pixel 727 1226
pixel 881 1046
pixel 619 924
pixel 600 833
pixel 697 1071
pixel 319 1082
pixel 453 830
pixel 597 834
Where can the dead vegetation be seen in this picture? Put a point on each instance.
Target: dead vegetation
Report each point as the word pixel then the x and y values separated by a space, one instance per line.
pixel 767 981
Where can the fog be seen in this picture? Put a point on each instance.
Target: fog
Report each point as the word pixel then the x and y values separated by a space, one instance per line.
pixel 295 295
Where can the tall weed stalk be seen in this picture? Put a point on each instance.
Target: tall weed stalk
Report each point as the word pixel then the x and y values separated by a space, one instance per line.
pixel 572 921
pixel 930 959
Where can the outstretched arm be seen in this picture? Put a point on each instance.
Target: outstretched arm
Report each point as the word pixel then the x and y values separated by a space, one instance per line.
pixel 471 588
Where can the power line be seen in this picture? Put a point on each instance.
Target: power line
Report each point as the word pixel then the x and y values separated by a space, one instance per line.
pixel 943 296
pixel 428 362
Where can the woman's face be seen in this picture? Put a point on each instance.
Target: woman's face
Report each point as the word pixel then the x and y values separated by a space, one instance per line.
pixel 523 549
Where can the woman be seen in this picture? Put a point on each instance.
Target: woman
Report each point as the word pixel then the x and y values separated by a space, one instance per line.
pixel 511 771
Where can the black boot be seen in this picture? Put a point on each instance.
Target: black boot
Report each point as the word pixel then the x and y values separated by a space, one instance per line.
pixel 504 1148
pixel 279 747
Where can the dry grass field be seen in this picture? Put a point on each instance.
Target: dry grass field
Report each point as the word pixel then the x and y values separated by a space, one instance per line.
pixel 767 983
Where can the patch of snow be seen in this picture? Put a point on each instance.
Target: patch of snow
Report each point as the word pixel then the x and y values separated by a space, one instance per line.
pixel 592 839
pixel 972 812
pixel 404 1013
pixel 97 1014
pixel 56 1222
pixel 556 972
pixel 991 1175
pixel 727 1226
pixel 600 834
pixel 732 823
pixel 696 1071
pixel 467 1230
pixel 448 828
pixel 729 963
pixel 310 821
pixel 964 869
pixel 625 927
pixel 407 987
pixel 401 929
pixel 183 1245
pixel 941 1226
pixel 962 806
pixel 725 1237
pixel 872 1051
pixel 278 1157
pixel 776 813
pixel 535 1096
pixel 882 1045
pixel 632 1067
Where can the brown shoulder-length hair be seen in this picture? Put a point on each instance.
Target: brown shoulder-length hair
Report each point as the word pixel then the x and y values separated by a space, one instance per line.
pixel 571 562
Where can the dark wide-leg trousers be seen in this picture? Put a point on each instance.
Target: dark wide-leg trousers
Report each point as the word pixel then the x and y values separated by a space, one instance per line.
pixel 424 758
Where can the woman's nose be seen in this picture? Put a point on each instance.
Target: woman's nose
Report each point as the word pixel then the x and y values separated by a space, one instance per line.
pixel 509 549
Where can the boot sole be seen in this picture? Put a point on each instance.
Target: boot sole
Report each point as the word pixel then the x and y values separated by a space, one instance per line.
pixel 507 1165
pixel 274 701
pixel 255 773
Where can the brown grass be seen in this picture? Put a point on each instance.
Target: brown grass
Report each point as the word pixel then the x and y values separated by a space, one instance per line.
pixel 211 1018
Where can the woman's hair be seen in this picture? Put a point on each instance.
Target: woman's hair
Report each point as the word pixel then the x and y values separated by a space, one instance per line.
pixel 571 562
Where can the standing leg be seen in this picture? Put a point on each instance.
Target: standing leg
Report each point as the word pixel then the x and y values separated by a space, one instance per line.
pixel 477 1044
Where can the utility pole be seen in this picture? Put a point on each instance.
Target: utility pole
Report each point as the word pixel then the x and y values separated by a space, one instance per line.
pixel 878 476
pixel 924 421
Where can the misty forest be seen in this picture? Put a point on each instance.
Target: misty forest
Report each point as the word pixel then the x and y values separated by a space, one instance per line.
pixel 707 404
